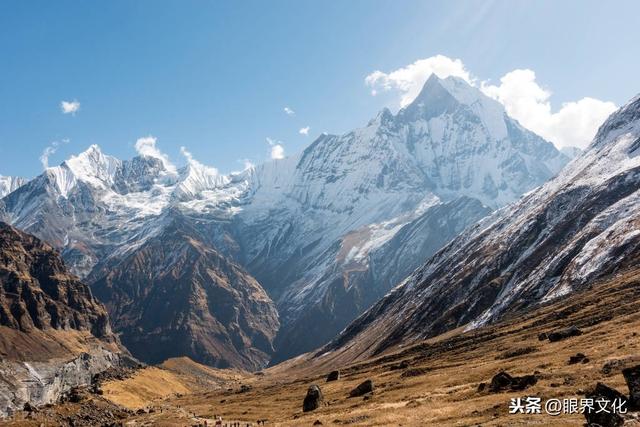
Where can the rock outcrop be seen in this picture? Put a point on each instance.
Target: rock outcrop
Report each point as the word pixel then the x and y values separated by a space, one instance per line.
pixel 177 296
pixel 41 383
pixel 54 335
pixel 562 334
pixel 37 292
pixel 632 377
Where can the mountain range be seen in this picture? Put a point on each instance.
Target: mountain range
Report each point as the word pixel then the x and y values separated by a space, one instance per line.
pixel 260 265
pixel 578 228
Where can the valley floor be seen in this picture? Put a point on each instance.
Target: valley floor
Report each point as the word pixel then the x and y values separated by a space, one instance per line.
pixel 437 386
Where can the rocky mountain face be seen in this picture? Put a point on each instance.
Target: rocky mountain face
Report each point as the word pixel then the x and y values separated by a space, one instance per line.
pixel 36 291
pixel 560 238
pixel 325 232
pixel 54 335
pixel 177 296
pixel 358 278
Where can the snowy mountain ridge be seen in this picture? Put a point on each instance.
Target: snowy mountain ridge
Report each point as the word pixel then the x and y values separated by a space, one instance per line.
pixel 315 228
pixel 9 184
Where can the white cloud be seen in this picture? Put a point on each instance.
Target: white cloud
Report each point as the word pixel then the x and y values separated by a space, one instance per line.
pixel 289 111
pixel 410 79
pixel 187 154
pixel 50 150
pixel 247 164
pixel 146 146
pixel 573 125
pixel 70 107
pixel 305 130
pixel 196 164
pixel 277 149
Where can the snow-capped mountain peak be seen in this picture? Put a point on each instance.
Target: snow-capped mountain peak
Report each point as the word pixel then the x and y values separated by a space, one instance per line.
pixel 91 166
pixel 196 178
pixel 453 95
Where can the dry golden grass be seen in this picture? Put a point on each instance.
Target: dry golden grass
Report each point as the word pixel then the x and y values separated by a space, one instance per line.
pixel 144 387
pixel 449 368
pixel 38 345
pixel 446 393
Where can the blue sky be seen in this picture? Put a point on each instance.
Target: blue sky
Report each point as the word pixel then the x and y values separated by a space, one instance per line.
pixel 215 76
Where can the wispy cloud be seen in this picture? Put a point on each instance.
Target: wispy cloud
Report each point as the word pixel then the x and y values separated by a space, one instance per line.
pixel 146 146
pixel 193 162
pixel 305 130
pixel 247 164
pixel 70 107
pixel 524 99
pixel 50 150
pixel 277 149
pixel 289 111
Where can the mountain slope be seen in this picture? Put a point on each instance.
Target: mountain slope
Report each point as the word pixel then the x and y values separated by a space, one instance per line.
pixel 361 275
pixel 38 293
pixel 54 335
pixel 357 190
pixel 316 229
pixel 575 229
pixel 177 296
pixel 9 184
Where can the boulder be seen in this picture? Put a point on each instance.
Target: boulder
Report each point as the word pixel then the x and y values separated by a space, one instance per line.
pixel 362 389
pixel 632 377
pixel 313 399
pixel 503 381
pixel 542 336
pixel 608 418
pixel 244 388
pixel 75 395
pixel 562 334
pixel 578 358
pixel 333 376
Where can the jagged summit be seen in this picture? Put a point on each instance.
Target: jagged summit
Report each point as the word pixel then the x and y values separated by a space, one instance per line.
pixel 196 178
pixel 92 166
pixel 455 97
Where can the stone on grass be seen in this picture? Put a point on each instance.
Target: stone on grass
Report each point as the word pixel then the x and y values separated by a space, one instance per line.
pixel 333 376
pixel 313 399
pixel 362 389
pixel 562 334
